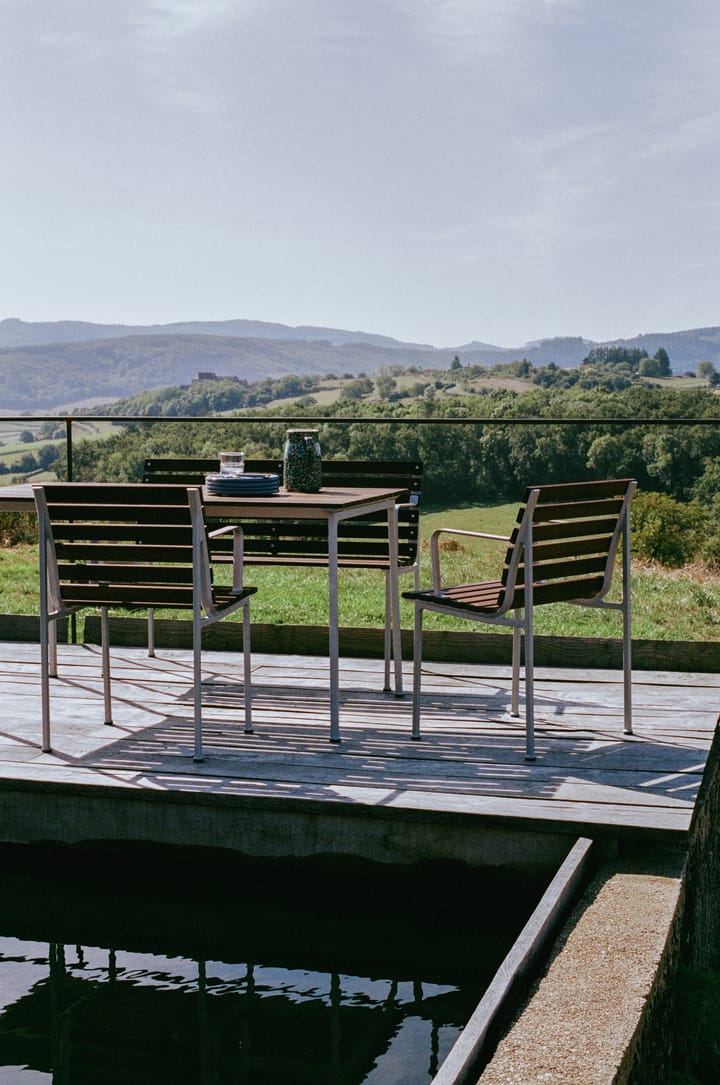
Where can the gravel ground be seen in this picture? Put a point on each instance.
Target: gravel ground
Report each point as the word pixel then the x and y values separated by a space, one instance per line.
pixel 583 1013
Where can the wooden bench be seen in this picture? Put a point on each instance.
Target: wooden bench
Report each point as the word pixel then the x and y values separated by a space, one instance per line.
pixel 563 550
pixel 362 540
pixel 109 545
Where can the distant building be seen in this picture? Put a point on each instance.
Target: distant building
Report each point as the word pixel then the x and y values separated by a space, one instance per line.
pixel 210 376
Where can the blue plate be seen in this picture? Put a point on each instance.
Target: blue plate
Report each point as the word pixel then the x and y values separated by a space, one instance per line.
pixel 236 485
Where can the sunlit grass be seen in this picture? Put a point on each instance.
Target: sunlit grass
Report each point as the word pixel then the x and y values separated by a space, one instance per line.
pixel 667 604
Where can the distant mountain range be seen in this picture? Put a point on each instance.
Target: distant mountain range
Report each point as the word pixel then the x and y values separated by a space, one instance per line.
pixel 44 365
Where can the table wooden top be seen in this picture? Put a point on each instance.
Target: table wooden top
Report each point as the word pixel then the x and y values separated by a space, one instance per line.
pixel 328 500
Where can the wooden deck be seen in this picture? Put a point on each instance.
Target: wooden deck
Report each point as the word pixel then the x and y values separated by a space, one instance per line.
pixel 468 768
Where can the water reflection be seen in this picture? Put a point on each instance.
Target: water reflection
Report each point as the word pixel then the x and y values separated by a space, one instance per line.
pixel 276 995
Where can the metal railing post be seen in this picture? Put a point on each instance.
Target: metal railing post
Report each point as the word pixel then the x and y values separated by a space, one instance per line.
pixel 69 448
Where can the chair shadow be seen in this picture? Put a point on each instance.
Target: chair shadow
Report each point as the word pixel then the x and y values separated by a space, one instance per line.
pixel 470 747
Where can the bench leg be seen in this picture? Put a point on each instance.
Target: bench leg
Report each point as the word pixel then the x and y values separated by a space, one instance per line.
pixel 151 632
pixel 105 638
pixel 247 674
pixel 417 671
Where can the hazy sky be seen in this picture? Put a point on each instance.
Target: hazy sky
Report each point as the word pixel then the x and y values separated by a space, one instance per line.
pixel 435 170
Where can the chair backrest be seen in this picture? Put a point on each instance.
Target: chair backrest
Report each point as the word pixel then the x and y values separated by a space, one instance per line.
pixel 117 545
pixel 361 540
pixel 569 533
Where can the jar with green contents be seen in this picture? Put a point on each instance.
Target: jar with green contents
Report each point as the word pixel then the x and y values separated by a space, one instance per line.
pixel 303 461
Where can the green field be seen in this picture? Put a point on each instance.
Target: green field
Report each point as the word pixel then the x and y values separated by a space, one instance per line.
pixel 667 604
pixel 13 447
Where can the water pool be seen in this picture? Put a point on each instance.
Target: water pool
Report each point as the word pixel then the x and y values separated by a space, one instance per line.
pixel 155 969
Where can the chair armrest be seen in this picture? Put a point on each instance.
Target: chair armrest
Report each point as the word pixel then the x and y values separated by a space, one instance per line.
pixel 224 530
pixel 435 547
pixel 472 534
pixel 238 551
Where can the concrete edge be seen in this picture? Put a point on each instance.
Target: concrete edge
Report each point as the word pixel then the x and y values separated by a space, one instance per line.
pixel 368 642
pixel 534 937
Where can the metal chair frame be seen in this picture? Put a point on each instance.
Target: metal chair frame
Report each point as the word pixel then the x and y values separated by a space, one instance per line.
pixel 530 579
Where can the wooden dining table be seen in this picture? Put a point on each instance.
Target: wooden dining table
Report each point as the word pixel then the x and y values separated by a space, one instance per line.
pixel 333 504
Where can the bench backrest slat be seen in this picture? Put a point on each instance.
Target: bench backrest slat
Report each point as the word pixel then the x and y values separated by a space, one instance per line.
pixel 362 540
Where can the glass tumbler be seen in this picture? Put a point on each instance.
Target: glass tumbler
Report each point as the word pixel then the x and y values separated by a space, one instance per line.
pixel 232 463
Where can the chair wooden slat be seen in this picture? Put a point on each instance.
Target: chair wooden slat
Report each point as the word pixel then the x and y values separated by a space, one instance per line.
pixel 581 510
pixel 565 529
pixel 121 551
pixel 546 572
pixel 129 573
pixel 574 492
pixel 574 547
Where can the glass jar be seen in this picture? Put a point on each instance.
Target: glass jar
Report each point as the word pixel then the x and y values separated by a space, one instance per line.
pixel 302 461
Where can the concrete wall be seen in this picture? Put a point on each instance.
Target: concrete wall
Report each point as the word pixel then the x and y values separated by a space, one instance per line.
pixel 604 1011
pixel 693 939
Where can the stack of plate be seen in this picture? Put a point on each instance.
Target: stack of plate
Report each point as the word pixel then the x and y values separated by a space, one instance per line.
pixel 242 485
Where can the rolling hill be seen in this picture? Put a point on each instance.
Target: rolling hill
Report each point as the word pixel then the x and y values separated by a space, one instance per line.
pixel 48 364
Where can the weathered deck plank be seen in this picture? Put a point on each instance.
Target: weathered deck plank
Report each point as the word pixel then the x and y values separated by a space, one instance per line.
pixel 469 761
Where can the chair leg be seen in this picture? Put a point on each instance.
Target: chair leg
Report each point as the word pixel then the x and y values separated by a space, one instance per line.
pixel 151 632
pixel 529 695
pixel 105 641
pixel 515 687
pixel 198 754
pixel 417 671
pixel 388 634
pixel 247 674
pixel 45 683
pixel 627 674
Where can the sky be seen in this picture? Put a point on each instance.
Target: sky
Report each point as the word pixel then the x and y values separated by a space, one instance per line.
pixel 439 171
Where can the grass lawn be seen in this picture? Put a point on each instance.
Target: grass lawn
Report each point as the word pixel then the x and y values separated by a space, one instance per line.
pixel 667 604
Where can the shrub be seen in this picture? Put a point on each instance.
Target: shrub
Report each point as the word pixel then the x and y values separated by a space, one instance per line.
pixel 666 530
pixel 18 527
